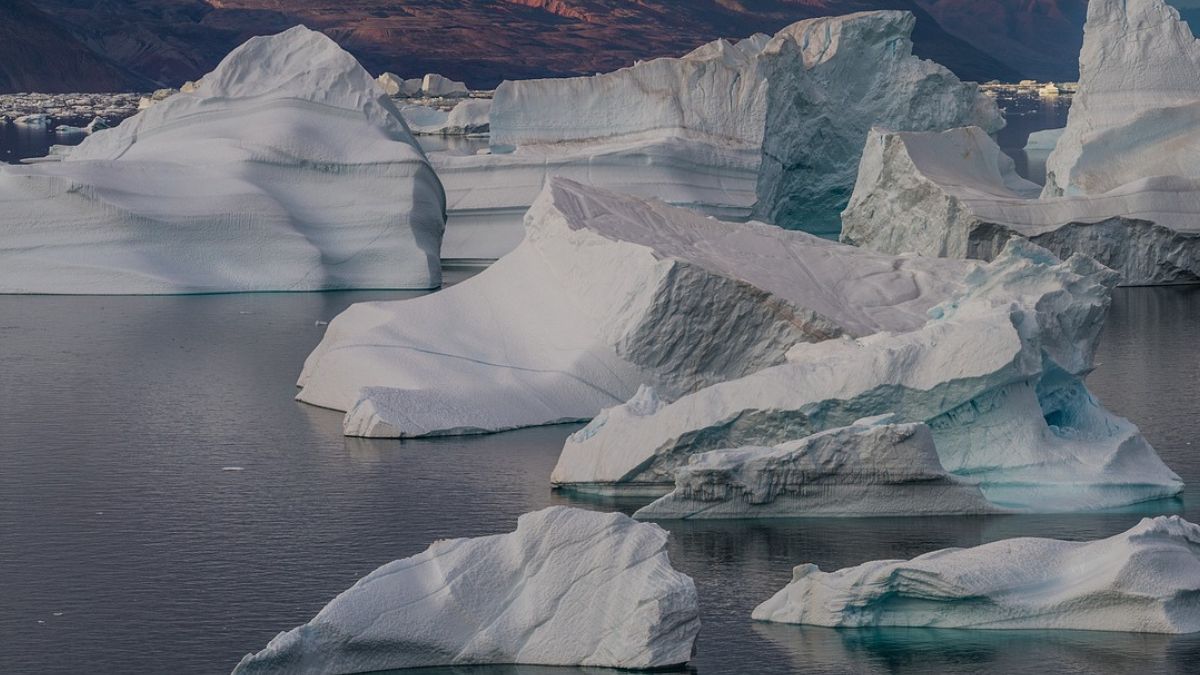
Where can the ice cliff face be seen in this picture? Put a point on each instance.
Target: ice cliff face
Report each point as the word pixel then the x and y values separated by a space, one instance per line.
pixel 601 297
pixel 997 375
pixel 1143 580
pixel 1139 88
pixel 768 128
pixel 287 167
pixel 568 587
pixel 956 194
pixel 871 468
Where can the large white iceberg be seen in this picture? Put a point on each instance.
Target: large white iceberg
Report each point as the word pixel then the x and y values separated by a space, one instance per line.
pixel 568 587
pixel 467 118
pixel 997 375
pixel 955 193
pixel 608 292
pixel 286 169
pixel 872 468
pixel 768 127
pixel 1122 182
pixel 1137 113
pixel 1144 580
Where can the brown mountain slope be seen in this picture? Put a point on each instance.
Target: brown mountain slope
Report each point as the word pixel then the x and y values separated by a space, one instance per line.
pixel 480 41
pixel 37 54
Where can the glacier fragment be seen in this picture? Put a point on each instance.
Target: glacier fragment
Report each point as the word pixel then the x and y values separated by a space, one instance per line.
pixel 568 587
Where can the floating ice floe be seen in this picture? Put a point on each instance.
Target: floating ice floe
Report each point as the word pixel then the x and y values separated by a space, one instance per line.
pixel 395 85
pixel 1144 580
pixel 467 118
pixel 1122 182
pixel 286 169
pixel 438 86
pixel 955 193
pixel 1044 140
pixel 871 468
pixel 567 588
pixel 606 293
pixel 996 374
pixel 769 128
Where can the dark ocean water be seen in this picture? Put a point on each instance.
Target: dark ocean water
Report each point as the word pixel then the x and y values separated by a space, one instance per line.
pixel 125 547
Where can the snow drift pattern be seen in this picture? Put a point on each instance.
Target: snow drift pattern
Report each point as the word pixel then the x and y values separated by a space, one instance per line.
pixel 1144 580
pixel 287 168
pixel 568 587
pixel 601 297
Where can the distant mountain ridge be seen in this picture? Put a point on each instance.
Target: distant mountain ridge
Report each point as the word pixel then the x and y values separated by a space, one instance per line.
pixel 483 42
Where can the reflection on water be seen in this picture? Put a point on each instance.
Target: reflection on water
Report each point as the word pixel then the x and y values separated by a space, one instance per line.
pixel 20 141
pixel 1024 115
pixel 125 547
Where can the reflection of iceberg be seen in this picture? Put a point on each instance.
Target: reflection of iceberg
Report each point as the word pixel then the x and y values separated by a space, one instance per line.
pixel 568 587
pixel 603 296
pixel 997 374
pixel 768 127
pixel 918 651
pixel 1145 580
pixel 286 169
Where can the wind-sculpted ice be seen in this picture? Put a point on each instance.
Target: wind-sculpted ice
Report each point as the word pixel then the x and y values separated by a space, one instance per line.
pixel 1144 580
pixel 996 374
pixel 954 193
pixel 568 587
pixel 602 296
pixel 287 168
pixel 1137 113
pixel 871 468
pixel 768 128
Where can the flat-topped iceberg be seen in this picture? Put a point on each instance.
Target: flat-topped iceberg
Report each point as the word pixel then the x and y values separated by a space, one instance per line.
pixel 467 118
pixel 1144 580
pixel 871 468
pixel 955 193
pixel 567 588
pixel 1135 115
pixel 769 128
pixel 604 295
pixel 286 169
pixel 996 373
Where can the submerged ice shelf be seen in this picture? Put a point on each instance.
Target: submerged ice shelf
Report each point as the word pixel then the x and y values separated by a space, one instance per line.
pixel 996 373
pixel 568 587
pixel 286 169
pixel 1144 580
pixel 601 297
pixel 768 128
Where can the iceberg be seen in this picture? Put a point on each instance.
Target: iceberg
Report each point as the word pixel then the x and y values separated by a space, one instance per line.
pixel 567 588
pixel 955 193
pixel 871 468
pixel 1044 140
pixel 287 169
pixel 767 128
pixel 468 118
pixel 435 85
pixel 996 374
pixel 601 297
pixel 1144 580
pixel 1135 115
pixel 397 86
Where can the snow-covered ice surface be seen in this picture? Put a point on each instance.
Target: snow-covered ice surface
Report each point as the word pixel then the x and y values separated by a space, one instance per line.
pixel 1145 580
pixel 955 193
pixel 601 297
pixel 568 587
pixel 1135 115
pixel 768 127
pixel 871 468
pixel 996 373
pixel 286 169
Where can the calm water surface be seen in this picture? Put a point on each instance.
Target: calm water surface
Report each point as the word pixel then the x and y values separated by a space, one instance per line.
pixel 126 547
